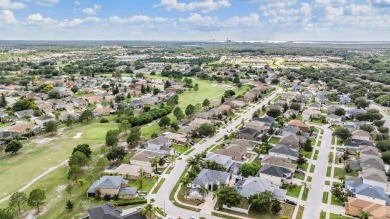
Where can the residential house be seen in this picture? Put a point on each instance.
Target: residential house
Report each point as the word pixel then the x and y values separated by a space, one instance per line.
pixel 372 162
pixel 355 144
pixel 176 138
pixel 352 112
pixel 108 211
pixel 24 128
pixel 159 143
pixel 103 111
pixel 151 101
pixel 290 113
pixel 24 113
pixel 314 106
pixel 284 151
pixel 255 185
pixel 236 152
pixel 289 130
pixel 134 171
pixel 331 108
pixel 250 145
pixel 248 133
pixel 4 117
pixel 257 125
pixel 369 151
pixel 344 99
pixel 112 186
pixel 361 135
pixel 136 104
pixel 267 120
pixel 375 177
pixel 223 160
pixel 302 126
pixel 210 179
pixel 354 207
pixel 143 158
pixel 367 192
pixel 279 161
pixel 333 119
pixel 310 113
pixel 292 140
pixel 275 174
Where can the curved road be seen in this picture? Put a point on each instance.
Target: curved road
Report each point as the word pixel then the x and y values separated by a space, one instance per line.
pixel 162 196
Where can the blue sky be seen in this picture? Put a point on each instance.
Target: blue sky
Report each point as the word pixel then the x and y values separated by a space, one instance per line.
pixel 241 20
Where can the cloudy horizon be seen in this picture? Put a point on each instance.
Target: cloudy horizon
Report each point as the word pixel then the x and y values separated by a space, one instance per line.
pixel 196 20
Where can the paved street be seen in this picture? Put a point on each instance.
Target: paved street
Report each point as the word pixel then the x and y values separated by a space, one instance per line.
pixel 314 199
pixel 162 197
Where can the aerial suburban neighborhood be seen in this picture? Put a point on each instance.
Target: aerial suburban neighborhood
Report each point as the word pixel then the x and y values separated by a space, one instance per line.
pixel 194 109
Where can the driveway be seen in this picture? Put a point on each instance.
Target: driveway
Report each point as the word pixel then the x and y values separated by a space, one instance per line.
pixel 162 196
pixel 314 199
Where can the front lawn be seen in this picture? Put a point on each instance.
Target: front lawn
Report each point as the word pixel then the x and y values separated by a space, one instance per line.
pixel 274 140
pixel 293 190
pixel 312 167
pixel 335 201
pixel 325 197
pixel 300 212
pixel 147 184
pixel 179 148
pixel 305 194
pixel 155 190
pixel 306 154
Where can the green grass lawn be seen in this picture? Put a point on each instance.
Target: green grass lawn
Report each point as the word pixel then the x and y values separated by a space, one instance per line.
pixel 179 148
pixel 274 140
pixel 309 178
pixel 305 194
pixel 303 166
pixel 335 201
pixel 323 215
pixel 319 143
pixel 306 154
pixel 328 171
pixel 287 210
pixel 299 176
pixel 146 185
pixel 38 154
pixel 300 212
pixel 189 151
pixel 325 197
pixel 312 167
pixel 216 148
pixel 339 172
pixel 337 216
pixel 293 191
pixel 155 190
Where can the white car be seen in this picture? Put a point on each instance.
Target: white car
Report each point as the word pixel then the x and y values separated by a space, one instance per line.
pixel 193 217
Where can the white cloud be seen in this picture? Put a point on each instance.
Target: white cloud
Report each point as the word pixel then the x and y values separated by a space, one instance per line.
pixel 202 23
pixel 333 13
pixel 203 6
pixel 329 2
pixel 47 2
pixel 137 19
pixel 252 20
pixel 360 9
pixel 38 19
pixel 8 17
pixel 7 4
pixel 93 10
pixel 288 14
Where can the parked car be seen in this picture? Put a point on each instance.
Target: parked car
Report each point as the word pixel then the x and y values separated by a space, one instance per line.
pixel 158 172
pixel 192 143
pixel 291 202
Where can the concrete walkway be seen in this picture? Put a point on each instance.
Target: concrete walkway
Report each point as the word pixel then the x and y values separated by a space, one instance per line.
pixel 208 205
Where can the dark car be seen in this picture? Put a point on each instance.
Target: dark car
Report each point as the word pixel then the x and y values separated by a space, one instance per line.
pixel 158 172
pixel 291 202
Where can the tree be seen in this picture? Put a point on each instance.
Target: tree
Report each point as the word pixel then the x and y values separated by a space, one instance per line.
pixel 222 99
pixel 383 145
pixel 154 162
pixel 17 200
pixel 261 202
pixel 134 136
pixel 112 137
pixel 227 195
pixel 116 154
pixel 276 207
pixel 148 210
pixel 141 180
pixel 6 213
pixel 339 112
pixel 178 113
pixel 365 214
pixel 274 112
pixel 295 106
pixel 386 157
pixel 78 159
pixel 74 89
pixel 164 122
pixel 301 160
pixel 84 148
pixel 36 198
pixel 366 127
pixel 206 103
pixel 361 102
pixel 74 172
pixel 50 126
pixel 69 205
pixel 54 94
pixel 167 84
pixel 307 146
pixel 206 129
pixel 69 189
pixel 190 110
pixel 379 123
pixel 86 115
pixel 175 126
pixel 196 87
pixel 13 146
pixel 69 121
pixel 342 133
pixel 185 180
pixel 124 126
pixel 249 169
pixel 3 101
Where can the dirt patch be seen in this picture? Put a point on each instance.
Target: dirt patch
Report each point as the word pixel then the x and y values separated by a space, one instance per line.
pixel 44 140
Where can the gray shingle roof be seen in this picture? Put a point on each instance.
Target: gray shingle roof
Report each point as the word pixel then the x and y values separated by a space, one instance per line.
pixel 207 176
pixel 283 149
pixel 108 182
pixel 275 171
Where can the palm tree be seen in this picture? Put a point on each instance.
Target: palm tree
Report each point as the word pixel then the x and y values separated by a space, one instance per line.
pixel 203 191
pixel 172 158
pixel 141 180
pixel 365 214
pixel 185 180
pixel 192 161
pixel 154 162
pixel 141 171
pixel 148 210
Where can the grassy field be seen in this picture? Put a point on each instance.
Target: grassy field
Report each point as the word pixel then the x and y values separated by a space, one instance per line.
pixel 40 153
pixel 335 201
pixel 305 194
pixel 325 197
pixel 293 191
pixel 312 167
pixel 147 185
pixel 300 212
pixel 155 190
pixel 274 140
